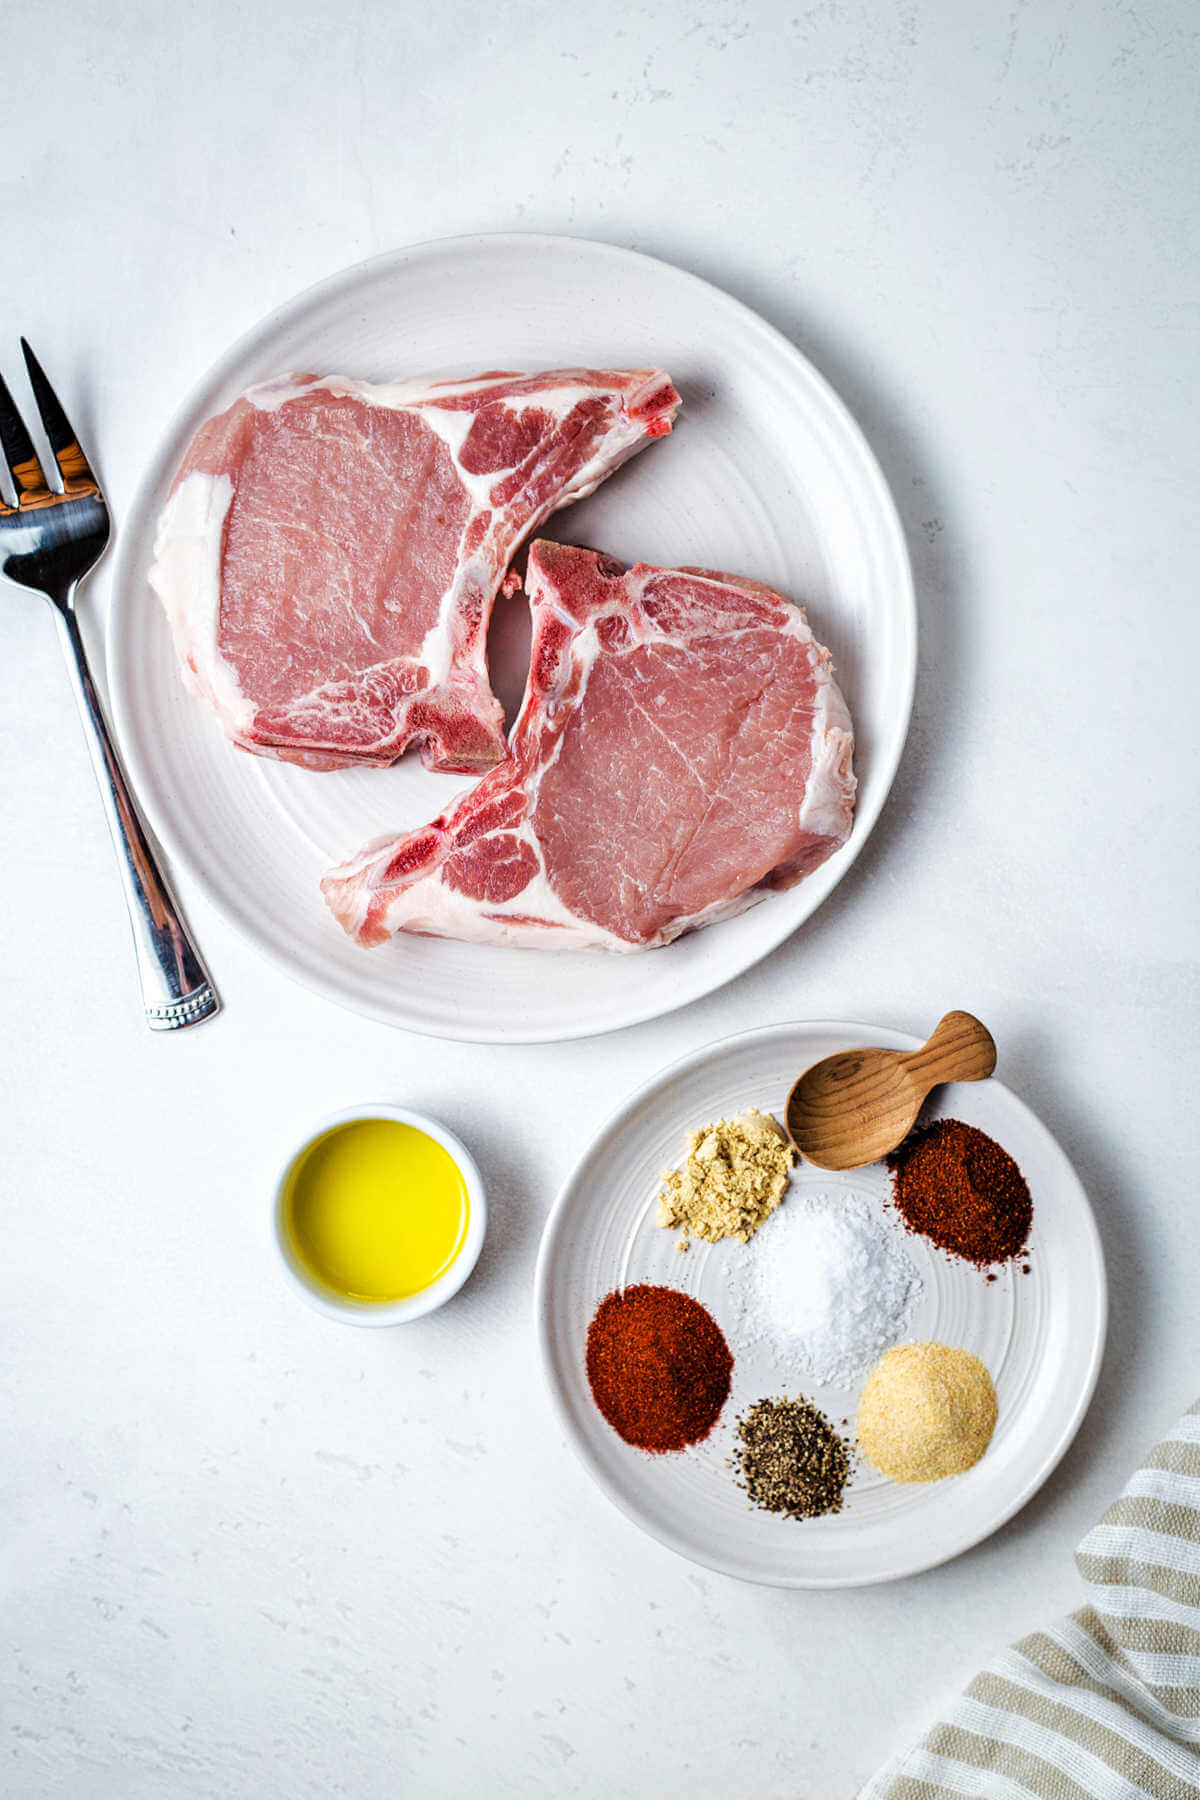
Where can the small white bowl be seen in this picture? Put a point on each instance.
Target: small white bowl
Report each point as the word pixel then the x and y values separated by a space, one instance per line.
pixel 386 1312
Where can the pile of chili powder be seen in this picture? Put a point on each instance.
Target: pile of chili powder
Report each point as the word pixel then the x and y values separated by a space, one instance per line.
pixel 954 1184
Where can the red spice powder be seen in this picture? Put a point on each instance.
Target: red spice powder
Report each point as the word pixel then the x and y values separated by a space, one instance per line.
pixel 658 1366
pixel 955 1185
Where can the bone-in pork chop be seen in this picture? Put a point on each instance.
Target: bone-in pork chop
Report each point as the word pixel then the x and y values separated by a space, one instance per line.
pixel 682 750
pixel 331 550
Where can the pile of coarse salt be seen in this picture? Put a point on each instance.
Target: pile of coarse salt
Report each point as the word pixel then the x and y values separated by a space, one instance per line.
pixel 826 1284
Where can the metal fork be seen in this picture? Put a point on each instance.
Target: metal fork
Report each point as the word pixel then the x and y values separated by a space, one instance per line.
pixel 49 541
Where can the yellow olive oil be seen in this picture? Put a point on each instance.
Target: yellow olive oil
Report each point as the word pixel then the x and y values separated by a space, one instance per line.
pixel 376 1210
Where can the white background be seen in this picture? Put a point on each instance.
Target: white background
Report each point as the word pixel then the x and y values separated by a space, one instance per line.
pixel 246 1552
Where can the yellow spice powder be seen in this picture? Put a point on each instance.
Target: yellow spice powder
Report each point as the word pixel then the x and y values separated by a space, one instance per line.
pixel 735 1174
pixel 927 1411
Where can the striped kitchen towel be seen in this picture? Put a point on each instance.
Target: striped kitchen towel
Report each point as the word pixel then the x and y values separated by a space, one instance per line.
pixel 1105 1705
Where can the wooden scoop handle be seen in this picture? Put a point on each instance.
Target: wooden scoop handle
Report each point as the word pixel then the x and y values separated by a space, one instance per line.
pixel 960 1049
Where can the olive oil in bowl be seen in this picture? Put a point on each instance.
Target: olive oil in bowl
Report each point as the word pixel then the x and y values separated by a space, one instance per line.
pixel 380 1216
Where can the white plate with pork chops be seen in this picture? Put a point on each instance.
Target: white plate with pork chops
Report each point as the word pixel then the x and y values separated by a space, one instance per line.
pixel 765 474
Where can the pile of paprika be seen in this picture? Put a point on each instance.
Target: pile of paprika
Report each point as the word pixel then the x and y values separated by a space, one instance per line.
pixel 658 1366
pixel 954 1184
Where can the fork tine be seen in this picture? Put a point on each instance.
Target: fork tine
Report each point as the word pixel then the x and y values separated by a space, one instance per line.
pixel 19 452
pixel 72 463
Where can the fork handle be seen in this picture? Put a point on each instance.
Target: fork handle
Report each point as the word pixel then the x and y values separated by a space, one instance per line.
pixel 176 989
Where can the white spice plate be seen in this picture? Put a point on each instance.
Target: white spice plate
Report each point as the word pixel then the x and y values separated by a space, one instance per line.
pixel 1040 1334
pixel 766 473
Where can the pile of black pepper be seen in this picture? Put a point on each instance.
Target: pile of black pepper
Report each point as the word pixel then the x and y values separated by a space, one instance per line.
pixel 790 1459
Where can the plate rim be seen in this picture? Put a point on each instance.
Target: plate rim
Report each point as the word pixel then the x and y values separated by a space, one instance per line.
pixel 119 639
pixel 883 1037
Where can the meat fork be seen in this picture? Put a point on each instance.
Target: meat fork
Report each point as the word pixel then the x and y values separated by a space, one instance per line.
pixel 49 541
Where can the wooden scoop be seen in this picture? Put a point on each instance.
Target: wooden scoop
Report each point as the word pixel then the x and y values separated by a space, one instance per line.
pixel 854 1107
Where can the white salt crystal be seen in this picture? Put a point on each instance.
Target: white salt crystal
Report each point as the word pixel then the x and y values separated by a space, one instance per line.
pixel 827 1284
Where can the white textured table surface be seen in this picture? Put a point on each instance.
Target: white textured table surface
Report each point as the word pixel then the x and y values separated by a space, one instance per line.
pixel 246 1552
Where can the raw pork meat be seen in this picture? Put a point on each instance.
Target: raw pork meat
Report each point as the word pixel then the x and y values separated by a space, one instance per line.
pixel 681 751
pixel 330 552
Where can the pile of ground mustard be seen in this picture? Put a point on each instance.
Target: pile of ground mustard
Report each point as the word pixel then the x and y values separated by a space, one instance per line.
pixel 734 1176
